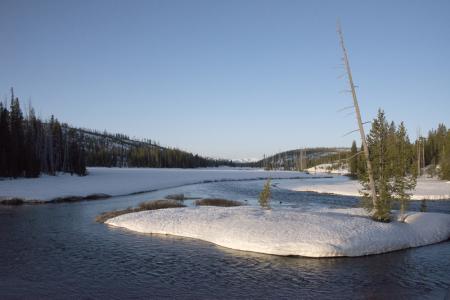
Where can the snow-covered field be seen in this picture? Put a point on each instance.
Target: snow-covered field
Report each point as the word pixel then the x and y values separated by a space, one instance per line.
pixel 427 188
pixel 122 181
pixel 315 233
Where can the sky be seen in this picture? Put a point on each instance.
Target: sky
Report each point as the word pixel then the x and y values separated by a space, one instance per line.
pixel 229 79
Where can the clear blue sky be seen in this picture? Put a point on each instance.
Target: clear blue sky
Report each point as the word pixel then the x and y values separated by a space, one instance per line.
pixel 232 79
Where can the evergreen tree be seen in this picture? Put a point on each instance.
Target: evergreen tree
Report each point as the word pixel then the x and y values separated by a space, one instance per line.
pixel 392 159
pixel 32 160
pixel 353 160
pixel 17 151
pixel 264 196
pixel 5 142
pixel 405 171
pixel 361 161
pixel 378 153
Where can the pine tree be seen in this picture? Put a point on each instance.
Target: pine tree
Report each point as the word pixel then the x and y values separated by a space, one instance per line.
pixel 353 160
pixel 5 142
pixel 361 161
pixel 405 173
pixel 379 156
pixel 264 196
pixel 392 158
pixel 17 153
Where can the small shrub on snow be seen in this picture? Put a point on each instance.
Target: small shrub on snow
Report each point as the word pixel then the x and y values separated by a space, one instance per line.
pixel 264 196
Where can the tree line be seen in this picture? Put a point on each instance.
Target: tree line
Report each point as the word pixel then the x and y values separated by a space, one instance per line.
pixel 431 155
pixel 104 152
pixel 436 151
pixel 30 146
pixel 301 159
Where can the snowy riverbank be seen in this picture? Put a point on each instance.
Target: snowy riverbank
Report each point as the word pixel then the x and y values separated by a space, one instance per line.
pixel 427 188
pixel 122 181
pixel 316 233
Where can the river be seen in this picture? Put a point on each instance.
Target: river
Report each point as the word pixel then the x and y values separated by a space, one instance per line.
pixel 58 251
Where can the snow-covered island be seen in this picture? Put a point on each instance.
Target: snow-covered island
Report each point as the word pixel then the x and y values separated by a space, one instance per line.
pixel 315 233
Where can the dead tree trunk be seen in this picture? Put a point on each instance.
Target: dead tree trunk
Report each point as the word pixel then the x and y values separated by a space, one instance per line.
pixel 358 117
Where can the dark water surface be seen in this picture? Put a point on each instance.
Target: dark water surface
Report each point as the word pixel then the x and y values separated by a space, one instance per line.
pixel 58 251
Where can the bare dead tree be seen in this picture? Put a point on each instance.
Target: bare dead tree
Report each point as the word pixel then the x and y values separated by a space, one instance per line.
pixel 358 115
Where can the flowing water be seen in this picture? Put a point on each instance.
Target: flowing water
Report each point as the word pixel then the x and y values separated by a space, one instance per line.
pixel 58 251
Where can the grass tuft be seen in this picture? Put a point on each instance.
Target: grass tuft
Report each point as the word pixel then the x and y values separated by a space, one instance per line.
pixel 148 205
pixel 160 204
pixel 175 197
pixel 217 202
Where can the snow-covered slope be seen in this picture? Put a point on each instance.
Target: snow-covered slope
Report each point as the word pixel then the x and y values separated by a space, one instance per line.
pixel 427 188
pixel 319 233
pixel 121 181
pixel 329 168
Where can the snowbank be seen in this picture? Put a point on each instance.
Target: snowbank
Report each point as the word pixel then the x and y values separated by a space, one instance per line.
pixel 427 188
pixel 319 233
pixel 122 181
pixel 328 168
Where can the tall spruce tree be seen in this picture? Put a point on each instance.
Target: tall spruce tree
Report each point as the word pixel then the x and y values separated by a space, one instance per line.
pixel 17 151
pixel 405 171
pixel 379 156
pixel 5 142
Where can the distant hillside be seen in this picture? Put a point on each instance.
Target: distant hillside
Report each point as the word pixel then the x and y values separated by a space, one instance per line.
pixel 301 159
pixel 118 150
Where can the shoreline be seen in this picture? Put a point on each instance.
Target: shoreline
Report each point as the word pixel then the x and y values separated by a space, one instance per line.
pixel 17 200
pixel 426 189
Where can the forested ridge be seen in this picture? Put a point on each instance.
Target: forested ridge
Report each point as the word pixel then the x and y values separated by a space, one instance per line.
pixel 301 159
pixel 117 150
pixel 30 146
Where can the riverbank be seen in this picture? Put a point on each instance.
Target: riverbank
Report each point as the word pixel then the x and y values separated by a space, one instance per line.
pixel 427 188
pixel 110 182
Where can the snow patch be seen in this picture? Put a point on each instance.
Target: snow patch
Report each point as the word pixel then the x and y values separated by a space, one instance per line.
pixel 427 188
pixel 329 169
pixel 316 233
